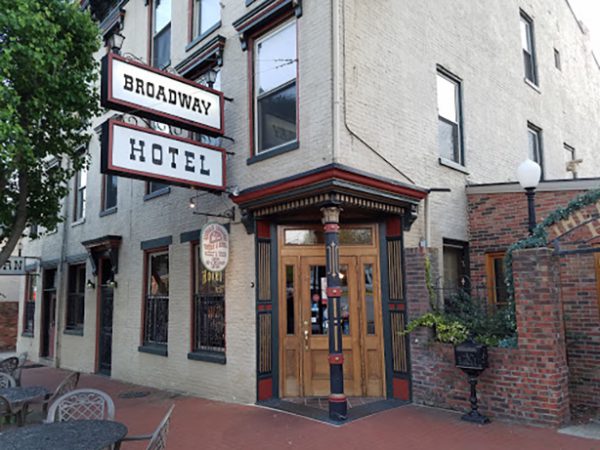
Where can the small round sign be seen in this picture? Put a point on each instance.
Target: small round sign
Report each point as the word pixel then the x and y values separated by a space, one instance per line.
pixel 214 247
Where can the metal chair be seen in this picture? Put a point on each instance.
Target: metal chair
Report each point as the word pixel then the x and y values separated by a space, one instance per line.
pixel 67 385
pixel 9 365
pixel 82 404
pixel 6 381
pixel 158 439
pixel 5 410
pixel 22 360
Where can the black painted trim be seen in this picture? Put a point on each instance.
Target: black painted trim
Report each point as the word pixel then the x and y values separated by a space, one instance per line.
pixel 156 243
pixel 202 36
pixel 207 356
pixel 159 193
pixel 274 312
pixel 249 2
pixel 50 263
pixel 385 298
pixel 76 259
pixel 75 332
pixel 108 212
pixel 28 334
pixel 160 350
pixel 271 153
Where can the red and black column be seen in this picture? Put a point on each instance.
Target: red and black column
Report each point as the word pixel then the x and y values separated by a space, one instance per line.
pixel 338 406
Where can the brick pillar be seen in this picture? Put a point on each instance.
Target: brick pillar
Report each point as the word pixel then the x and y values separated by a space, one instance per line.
pixel 541 334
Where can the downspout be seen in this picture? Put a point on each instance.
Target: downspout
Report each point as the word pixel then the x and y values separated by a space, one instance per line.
pixel 335 60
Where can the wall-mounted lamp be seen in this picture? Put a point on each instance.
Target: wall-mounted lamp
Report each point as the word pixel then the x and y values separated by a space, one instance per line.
pixel 113 284
pixel 115 42
pixel 528 174
pixel 90 284
pixel 211 77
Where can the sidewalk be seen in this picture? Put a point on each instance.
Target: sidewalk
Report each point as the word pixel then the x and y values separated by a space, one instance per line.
pixel 204 424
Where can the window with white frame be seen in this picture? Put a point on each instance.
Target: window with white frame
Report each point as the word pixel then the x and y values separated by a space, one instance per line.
pixel 527 43
pixel 449 117
pixel 534 143
pixel 570 161
pixel 208 16
pixel 161 37
pixel 275 65
pixel 80 194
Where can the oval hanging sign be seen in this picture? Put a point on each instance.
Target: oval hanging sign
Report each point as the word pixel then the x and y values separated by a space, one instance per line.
pixel 214 247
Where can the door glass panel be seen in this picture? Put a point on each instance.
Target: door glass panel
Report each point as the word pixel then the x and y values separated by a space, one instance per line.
pixel 369 301
pixel 318 300
pixel 289 292
pixel 348 236
pixel 344 300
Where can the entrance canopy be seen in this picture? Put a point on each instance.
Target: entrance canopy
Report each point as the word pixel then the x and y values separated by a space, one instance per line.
pixel 360 194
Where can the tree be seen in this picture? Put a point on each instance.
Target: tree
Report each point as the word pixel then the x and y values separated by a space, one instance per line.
pixel 48 96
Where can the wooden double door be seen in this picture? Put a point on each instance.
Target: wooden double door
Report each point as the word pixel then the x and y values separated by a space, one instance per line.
pixel 304 326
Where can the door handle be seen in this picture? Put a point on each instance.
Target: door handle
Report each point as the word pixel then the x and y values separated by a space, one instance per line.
pixel 306 340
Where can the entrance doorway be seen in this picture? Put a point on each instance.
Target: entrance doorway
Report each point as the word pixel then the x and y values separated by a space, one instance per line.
pixel 48 314
pixel 304 323
pixel 105 326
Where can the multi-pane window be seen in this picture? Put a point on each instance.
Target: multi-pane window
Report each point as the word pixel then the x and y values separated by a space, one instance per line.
pixel 449 117
pixel 209 308
pixel 80 193
pixel 109 195
pixel 456 267
pixel 570 161
pixel 156 306
pixel 161 40
pixel 496 284
pixel 275 66
pixel 208 15
pixel 76 297
pixel 534 137
pixel 31 280
pixel 155 186
pixel 527 42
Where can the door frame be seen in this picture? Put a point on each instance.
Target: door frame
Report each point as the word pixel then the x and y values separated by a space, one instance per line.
pixel 45 316
pixel 285 253
pixel 99 302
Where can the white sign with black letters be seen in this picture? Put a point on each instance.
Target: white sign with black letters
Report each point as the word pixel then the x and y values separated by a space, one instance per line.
pixel 160 96
pixel 15 265
pixel 135 152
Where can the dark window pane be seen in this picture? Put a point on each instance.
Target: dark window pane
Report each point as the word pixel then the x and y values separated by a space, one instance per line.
pixel 154 186
pixel 344 300
pixel 290 294
pixel 448 140
pixel 162 47
pixel 529 69
pixel 75 297
pixel 159 274
pixel 369 298
pixel 277 118
pixel 209 308
pixel 500 284
pixel 318 300
pixel 110 191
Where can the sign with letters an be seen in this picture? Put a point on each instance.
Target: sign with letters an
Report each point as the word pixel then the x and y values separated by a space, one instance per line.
pixel 135 88
pixel 214 247
pixel 135 152
pixel 15 265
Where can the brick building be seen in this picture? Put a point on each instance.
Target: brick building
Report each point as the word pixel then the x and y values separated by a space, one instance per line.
pixel 381 111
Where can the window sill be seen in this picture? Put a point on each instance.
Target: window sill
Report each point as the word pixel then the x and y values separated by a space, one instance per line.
pixel 201 37
pixel 160 350
pixel 532 85
pixel 207 356
pixel 78 222
pixel 75 332
pixel 274 152
pixel 108 212
pixel 28 334
pixel 453 165
pixel 158 193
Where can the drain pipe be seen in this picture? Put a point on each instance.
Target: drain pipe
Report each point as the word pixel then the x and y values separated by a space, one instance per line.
pixel 335 91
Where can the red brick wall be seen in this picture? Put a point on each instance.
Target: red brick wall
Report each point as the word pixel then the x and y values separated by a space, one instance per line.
pixel 528 383
pixel 498 220
pixel 9 313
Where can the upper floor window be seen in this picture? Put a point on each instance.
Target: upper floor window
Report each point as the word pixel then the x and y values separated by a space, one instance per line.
pixel 570 161
pixel 31 280
pixel 527 42
pixel 208 16
pixel 76 297
pixel 449 117
pixel 80 194
pixel 275 101
pixel 161 36
pixel 109 192
pixel 535 145
pixel 557 62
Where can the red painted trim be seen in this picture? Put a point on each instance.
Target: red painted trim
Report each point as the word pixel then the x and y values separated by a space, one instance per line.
pixel 154 114
pixel 263 229
pixel 339 398
pixel 254 19
pixel 393 227
pixel 153 177
pixel 335 359
pixel 400 389
pixel 264 307
pixel 334 292
pixel 265 389
pixel 334 173
pixel 193 264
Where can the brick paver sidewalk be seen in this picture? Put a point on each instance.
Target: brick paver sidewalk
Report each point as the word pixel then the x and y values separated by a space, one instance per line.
pixel 199 424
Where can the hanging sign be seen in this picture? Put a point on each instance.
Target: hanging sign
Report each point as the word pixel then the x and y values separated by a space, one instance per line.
pixel 135 88
pixel 134 152
pixel 214 247
pixel 15 265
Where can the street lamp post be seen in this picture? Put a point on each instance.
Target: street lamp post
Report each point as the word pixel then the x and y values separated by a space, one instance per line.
pixel 528 174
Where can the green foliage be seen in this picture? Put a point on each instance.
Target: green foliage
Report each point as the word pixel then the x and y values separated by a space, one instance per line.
pixel 48 96
pixel 446 330
pixel 429 283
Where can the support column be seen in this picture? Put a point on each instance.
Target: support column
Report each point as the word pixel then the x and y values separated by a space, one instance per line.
pixel 337 399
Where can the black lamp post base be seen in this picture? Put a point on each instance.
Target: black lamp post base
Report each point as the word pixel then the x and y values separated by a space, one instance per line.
pixel 475 417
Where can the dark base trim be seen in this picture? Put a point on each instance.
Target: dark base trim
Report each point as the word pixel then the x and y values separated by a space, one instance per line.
pixel 321 415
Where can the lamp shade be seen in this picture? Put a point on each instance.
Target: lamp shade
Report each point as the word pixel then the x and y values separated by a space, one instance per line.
pixel 529 173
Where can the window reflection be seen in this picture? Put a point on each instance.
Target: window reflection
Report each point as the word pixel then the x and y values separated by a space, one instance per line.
pixel 289 293
pixel 369 300
pixel 318 300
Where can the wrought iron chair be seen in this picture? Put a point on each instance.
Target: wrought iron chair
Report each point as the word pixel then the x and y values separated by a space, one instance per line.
pixel 158 439
pixel 82 404
pixel 6 381
pixel 6 411
pixel 22 360
pixel 9 365
pixel 66 385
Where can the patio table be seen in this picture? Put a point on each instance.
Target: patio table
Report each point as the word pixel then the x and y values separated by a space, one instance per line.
pixel 74 435
pixel 22 395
